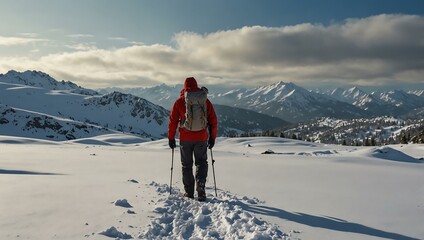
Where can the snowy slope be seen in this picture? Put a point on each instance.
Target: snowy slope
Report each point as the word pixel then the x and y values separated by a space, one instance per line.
pixel 115 111
pixel 18 122
pixel 42 80
pixel 119 189
pixel 419 93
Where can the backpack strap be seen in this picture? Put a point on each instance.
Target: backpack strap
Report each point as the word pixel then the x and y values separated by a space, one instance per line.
pixel 190 106
pixel 203 113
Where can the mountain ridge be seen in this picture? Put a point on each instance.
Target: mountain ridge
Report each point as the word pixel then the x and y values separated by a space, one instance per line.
pixel 57 109
pixel 43 80
pixel 296 104
pixel 46 101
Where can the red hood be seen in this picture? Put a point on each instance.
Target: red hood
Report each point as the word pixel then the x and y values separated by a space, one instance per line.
pixel 190 85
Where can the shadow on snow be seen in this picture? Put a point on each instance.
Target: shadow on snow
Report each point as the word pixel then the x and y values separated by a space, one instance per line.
pixel 22 172
pixel 323 222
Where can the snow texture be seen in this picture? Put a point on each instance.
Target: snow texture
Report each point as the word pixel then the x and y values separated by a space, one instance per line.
pixel 218 218
pixel 308 191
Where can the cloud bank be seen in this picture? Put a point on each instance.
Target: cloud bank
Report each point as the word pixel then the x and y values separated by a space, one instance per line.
pixel 377 50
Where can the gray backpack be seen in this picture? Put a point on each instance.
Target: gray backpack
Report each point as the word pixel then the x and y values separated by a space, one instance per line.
pixel 196 110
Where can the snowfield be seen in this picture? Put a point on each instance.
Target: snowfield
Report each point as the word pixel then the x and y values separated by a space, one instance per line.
pixel 117 187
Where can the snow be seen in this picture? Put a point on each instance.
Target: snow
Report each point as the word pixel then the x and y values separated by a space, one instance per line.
pixel 225 217
pixel 68 190
pixel 104 114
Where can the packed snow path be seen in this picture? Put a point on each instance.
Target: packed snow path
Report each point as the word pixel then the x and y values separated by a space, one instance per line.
pixel 218 218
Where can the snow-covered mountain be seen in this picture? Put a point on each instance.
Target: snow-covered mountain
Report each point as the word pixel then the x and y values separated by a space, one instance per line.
pixel 42 80
pixel 162 94
pixel 296 104
pixel 394 103
pixel 283 100
pixel 44 96
pixel 34 104
pixel 289 102
pixel 231 120
pixel 400 99
pixel 353 95
pixel 36 97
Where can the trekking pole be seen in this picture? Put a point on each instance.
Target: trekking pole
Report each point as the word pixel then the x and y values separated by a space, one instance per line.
pixel 213 170
pixel 172 168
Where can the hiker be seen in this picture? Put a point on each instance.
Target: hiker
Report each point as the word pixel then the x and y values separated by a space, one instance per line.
pixel 195 115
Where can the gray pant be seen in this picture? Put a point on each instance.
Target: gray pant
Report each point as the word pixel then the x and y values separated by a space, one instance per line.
pixel 199 150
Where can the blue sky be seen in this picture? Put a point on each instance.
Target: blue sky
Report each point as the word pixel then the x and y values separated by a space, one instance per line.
pixel 99 43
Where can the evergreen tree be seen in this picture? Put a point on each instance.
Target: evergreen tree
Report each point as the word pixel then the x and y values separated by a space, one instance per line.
pixel 373 142
pixel 403 139
pixel 367 142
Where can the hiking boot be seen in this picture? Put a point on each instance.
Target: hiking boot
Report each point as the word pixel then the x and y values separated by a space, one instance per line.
pixel 201 193
pixel 201 197
pixel 188 195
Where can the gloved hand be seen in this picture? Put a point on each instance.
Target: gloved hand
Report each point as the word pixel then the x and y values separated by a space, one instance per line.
pixel 211 143
pixel 172 143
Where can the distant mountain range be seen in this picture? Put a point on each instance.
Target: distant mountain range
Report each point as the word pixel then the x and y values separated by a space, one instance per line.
pixel 295 104
pixel 392 103
pixel 289 102
pixel 33 104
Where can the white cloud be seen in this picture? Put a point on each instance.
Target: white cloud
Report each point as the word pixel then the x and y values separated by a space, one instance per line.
pixel 118 38
pixel 14 41
pixel 31 35
pixel 136 43
pixel 376 50
pixel 82 46
pixel 79 35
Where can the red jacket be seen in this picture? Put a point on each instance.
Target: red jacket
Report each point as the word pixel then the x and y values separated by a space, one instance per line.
pixel 178 113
